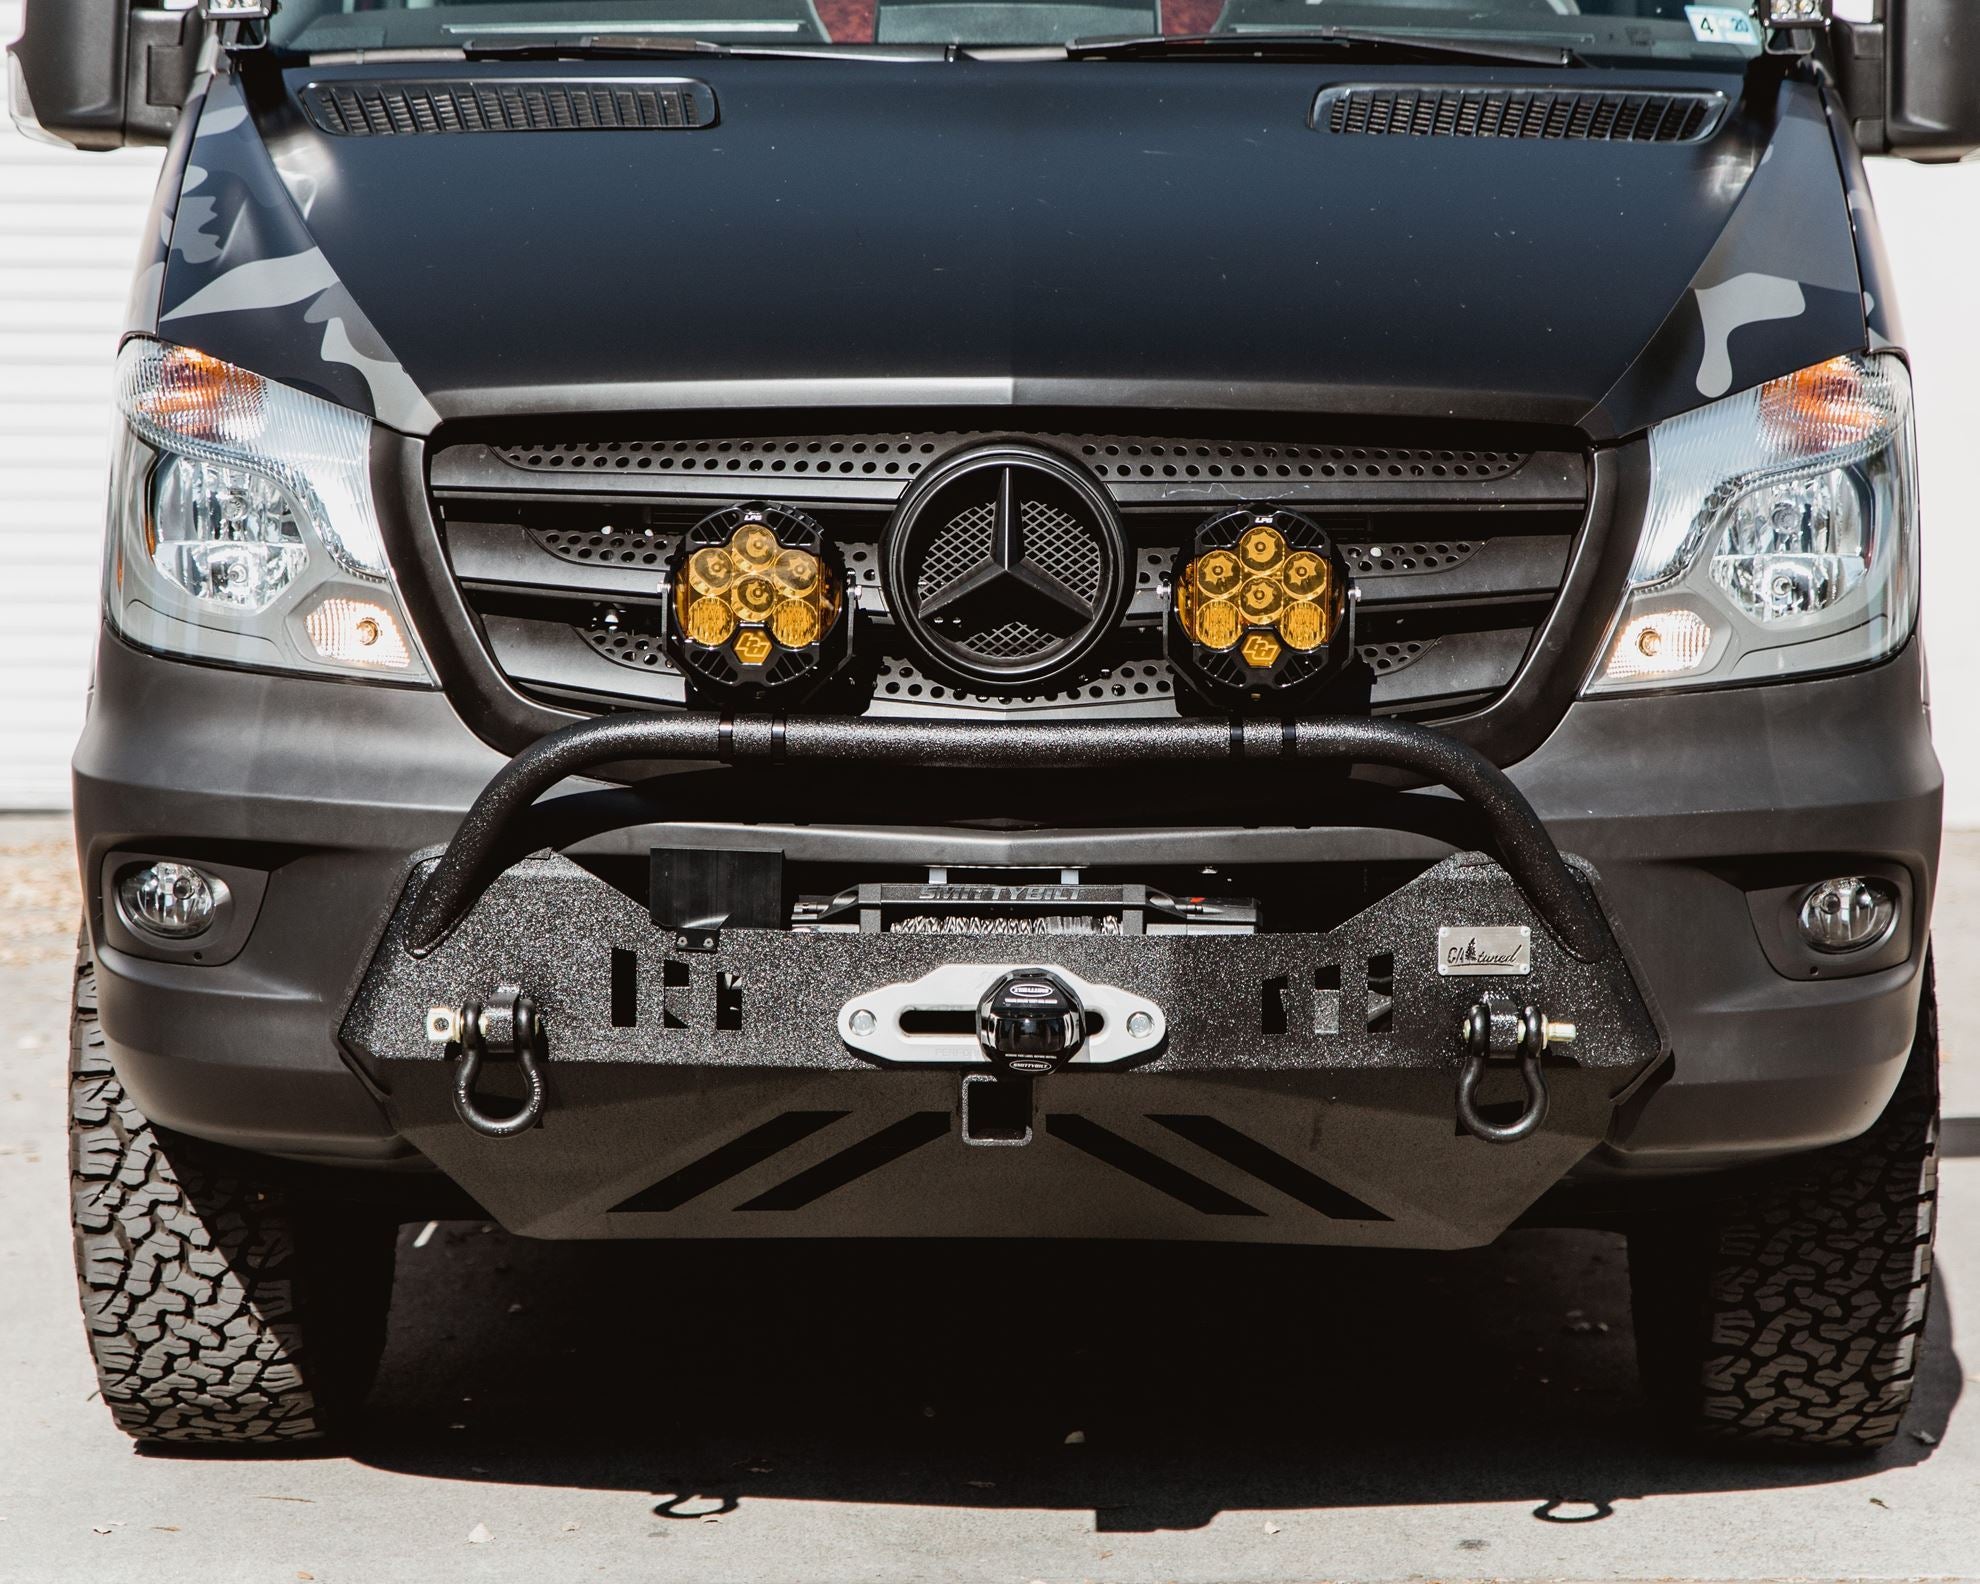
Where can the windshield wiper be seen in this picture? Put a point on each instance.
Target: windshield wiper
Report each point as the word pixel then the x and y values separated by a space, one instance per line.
pixel 636 46
pixel 1320 43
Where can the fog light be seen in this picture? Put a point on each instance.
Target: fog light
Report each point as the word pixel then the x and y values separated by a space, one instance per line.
pixel 173 901
pixel 1852 913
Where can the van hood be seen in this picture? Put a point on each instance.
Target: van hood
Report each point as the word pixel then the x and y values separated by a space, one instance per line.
pixel 1049 234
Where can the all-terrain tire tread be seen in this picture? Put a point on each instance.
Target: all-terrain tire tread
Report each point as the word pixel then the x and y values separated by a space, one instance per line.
pixel 188 1272
pixel 1807 1301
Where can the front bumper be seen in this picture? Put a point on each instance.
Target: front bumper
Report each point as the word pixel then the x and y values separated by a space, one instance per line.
pixel 1688 807
pixel 1302 1089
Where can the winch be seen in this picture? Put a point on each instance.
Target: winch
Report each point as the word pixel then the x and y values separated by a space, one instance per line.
pixel 941 906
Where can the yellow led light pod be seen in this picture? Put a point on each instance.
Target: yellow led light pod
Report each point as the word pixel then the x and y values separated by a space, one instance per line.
pixel 1278 626
pixel 757 600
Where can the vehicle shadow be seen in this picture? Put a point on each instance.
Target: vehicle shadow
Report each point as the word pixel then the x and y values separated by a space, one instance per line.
pixel 1155 1385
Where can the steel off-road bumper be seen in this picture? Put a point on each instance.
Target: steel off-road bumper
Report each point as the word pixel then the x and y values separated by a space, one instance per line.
pixel 1302 1088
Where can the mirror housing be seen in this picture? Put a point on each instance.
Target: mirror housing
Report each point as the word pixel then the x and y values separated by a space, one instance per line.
pixel 1910 77
pixel 102 74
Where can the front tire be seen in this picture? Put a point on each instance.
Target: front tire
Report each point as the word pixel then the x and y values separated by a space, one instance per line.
pixel 1794 1314
pixel 221 1307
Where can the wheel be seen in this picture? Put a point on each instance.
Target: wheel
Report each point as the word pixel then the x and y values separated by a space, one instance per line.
pixel 221 1308
pixel 1792 1315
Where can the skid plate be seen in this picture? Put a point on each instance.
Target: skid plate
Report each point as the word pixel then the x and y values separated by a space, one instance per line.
pixel 1302 1089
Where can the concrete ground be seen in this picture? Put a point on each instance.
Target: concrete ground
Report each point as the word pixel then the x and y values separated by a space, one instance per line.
pixel 550 1412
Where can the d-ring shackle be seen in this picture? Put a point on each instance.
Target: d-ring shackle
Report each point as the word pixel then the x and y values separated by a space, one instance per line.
pixel 506 1025
pixel 1493 1029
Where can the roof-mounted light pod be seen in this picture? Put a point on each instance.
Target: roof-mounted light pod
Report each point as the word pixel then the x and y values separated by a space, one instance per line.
pixel 757 601
pixel 1795 13
pixel 1260 610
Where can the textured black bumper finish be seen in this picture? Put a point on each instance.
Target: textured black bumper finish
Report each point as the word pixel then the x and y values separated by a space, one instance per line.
pixel 1678 801
pixel 1258 1076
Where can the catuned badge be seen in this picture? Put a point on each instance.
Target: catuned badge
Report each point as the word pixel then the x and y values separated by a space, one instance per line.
pixel 1489 949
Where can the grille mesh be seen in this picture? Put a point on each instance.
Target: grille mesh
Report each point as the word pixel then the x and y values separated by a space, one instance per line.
pixel 1014 640
pixel 963 543
pixel 1433 111
pixel 1058 543
pixel 398 109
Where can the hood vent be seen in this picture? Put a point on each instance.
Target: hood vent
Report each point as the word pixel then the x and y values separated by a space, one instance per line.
pixel 1429 110
pixel 397 107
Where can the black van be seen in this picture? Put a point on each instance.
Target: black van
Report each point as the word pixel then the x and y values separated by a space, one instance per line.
pixel 1291 621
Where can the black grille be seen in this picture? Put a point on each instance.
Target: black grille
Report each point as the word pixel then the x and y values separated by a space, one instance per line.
pixel 1459 552
pixel 901 457
pixel 397 109
pixel 1432 110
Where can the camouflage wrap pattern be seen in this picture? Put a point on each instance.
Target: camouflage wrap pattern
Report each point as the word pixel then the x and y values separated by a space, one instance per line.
pixel 243 278
pixel 1781 278
pixel 1873 263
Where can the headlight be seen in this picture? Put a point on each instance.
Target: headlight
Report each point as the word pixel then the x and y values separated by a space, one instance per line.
pixel 242 524
pixel 1781 535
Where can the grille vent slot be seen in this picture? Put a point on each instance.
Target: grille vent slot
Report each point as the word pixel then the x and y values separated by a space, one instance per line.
pixel 903 687
pixel 1555 114
pixel 403 108
pixel 634 547
pixel 1372 560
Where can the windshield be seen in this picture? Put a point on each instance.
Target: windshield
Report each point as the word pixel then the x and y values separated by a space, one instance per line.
pixel 1628 29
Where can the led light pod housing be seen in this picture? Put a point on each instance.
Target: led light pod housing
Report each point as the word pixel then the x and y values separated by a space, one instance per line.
pixel 1259 610
pixel 757 601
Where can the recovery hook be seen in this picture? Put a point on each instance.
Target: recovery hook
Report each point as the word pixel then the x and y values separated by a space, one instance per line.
pixel 1494 1030
pixel 507 1024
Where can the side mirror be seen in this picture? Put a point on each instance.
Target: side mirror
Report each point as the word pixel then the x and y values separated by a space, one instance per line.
pixel 1910 77
pixel 102 74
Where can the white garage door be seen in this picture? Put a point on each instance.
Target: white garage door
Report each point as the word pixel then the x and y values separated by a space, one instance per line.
pixel 69 226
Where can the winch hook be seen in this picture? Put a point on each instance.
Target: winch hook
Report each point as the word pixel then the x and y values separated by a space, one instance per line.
pixel 506 1025
pixel 1493 1030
